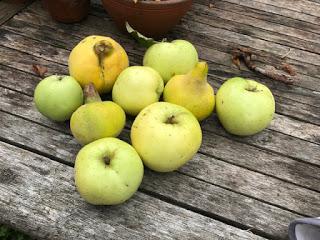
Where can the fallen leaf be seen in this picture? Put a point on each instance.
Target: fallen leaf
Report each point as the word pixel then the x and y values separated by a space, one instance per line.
pixel 142 40
pixel 289 69
pixel 236 61
pixel 39 70
pixel 211 5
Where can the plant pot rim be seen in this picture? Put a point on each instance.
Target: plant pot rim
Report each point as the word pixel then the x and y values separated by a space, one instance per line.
pixel 150 3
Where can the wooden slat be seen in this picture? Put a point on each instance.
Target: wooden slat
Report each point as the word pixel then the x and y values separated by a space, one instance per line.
pixel 272 32
pixel 9 8
pixel 234 38
pixel 274 141
pixel 260 14
pixel 276 10
pixel 274 221
pixel 38 197
pixel 300 6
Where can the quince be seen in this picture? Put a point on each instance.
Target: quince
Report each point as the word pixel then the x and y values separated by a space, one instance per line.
pixel 99 60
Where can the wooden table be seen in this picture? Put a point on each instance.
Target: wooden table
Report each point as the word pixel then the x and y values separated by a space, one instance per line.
pixel 234 188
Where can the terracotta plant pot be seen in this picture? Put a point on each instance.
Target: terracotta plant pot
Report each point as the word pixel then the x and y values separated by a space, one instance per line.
pixel 149 17
pixel 67 11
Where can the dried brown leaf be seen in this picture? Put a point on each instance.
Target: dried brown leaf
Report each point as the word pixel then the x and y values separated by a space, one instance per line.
pixel 39 70
pixel 289 69
pixel 246 56
pixel 236 61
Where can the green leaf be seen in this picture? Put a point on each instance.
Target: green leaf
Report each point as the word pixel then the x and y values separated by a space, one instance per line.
pixel 142 40
pixel 4 232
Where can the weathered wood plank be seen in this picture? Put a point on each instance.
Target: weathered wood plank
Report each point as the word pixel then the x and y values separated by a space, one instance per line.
pixel 220 202
pixel 300 6
pixel 235 22
pixel 9 8
pixel 24 62
pixel 273 141
pixel 213 205
pixel 296 128
pixel 38 197
pixel 276 10
pixel 262 15
pixel 235 38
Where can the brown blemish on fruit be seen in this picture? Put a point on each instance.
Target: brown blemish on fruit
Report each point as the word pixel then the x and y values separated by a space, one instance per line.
pixel 102 49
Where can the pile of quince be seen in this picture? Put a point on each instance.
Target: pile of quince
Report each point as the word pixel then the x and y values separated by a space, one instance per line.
pixel 165 134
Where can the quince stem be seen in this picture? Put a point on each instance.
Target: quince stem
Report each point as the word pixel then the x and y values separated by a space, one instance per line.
pixel 199 72
pixel 102 49
pixel 90 94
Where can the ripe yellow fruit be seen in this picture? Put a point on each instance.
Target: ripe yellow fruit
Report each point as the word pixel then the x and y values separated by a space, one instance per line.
pixel 192 91
pixel 99 60
pixel 96 119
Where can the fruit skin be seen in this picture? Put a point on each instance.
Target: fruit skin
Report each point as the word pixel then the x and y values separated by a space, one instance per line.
pixel 192 91
pixel 96 119
pixel 244 107
pixel 108 184
pixel 57 97
pixel 169 59
pixel 166 136
pixel 137 87
pixel 97 59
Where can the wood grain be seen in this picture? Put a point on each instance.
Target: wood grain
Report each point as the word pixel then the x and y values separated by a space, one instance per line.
pixel 38 196
pixel 9 8
pixel 263 14
pixel 233 212
pixel 288 36
pixel 277 10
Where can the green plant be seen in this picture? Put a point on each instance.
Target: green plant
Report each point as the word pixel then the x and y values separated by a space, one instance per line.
pixel 7 233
